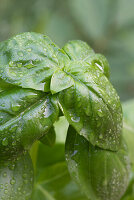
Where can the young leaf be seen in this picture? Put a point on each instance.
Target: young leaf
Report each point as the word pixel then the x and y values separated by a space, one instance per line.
pixel 101 174
pixel 60 81
pixel 16 178
pixel 78 50
pixel 29 60
pixel 91 105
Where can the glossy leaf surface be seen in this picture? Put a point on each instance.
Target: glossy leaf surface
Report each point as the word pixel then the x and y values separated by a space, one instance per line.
pixel 77 75
pixel 128 133
pixel 91 106
pixel 36 79
pixel 101 174
pixel 16 178
pixel 25 117
pixel 52 179
pixel 29 60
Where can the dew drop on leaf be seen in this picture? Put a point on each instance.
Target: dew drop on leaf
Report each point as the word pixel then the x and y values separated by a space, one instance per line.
pixel 75 119
pixel 15 107
pixel 5 142
pixel 6 191
pixel 4 174
pixel 12 182
pixel 20 53
pixel 29 50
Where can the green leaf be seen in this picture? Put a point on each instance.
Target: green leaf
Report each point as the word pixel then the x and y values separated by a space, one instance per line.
pixel 91 106
pixel 100 174
pixel 78 50
pixel 60 81
pixel 128 133
pixel 16 178
pixel 128 126
pixel 25 116
pixel 129 194
pixel 52 179
pixel 29 60
pixel 61 127
pixel 35 69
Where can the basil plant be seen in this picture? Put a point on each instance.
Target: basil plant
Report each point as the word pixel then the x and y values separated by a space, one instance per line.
pixel 39 82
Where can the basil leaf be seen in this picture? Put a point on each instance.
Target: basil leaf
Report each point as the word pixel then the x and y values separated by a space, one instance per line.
pixel 92 106
pixel 101 174
pixel 16 178
pixel 60 81
pixel 79 50
pixel 53 182
pixel 25 116
pixel 128 133
pixel 52 179
pixel 128 127
pixel 29 60
pixel 129 194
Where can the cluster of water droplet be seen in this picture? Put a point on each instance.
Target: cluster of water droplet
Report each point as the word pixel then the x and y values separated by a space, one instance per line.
pixel 90 105
pixel 16 178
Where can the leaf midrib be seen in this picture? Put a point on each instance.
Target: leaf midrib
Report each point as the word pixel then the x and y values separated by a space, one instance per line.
pixel 45 193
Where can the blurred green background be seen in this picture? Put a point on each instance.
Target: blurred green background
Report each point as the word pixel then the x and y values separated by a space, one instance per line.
pixel 107 25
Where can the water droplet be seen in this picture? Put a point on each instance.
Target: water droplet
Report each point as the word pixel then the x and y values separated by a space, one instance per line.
pixel 47 112
pixel 6 185
pixel 24 175
pixel 20 53
pixel 75 119
pixel 100 136
pixel 12 73
pixel 12 166
pixel 100 113
pixel 29 49
pixel 13 143
pixel 1 118
pixel 29 65
pixel 19 65
pixel 11 64
pixel 5 174
pixel 26 181
pixel 15 107
pixel 6 191
pixel 74 153
pixel 13 129
pixel 1 186
pixel 5 142
pixel 12 182
pixel 99 66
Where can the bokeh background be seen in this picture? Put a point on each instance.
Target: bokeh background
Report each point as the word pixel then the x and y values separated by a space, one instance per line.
pixel 107 25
